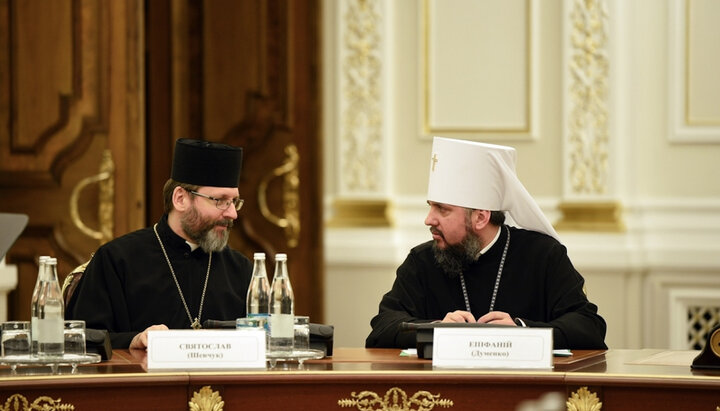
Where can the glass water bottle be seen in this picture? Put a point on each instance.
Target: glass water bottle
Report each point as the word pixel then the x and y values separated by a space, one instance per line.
pixel 282 308
pixel 39 283
pixel 258 295
pixel 50 310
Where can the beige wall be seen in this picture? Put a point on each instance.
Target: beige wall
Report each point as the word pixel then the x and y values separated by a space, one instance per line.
pixel 667 168
pixel 664 166
pixel 412 147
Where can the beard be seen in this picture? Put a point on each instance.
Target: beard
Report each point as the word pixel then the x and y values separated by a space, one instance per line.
pixel 456 258
pixel 201 230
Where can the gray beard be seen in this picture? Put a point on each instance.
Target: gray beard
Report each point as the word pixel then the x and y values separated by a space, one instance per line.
pixel 456 258
pixel 201 232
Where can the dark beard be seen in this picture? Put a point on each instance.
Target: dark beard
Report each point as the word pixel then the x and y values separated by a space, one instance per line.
pixel 456 258
pixel 200 231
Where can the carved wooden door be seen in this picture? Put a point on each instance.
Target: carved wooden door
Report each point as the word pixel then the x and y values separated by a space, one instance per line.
pixel 246 73
pixel 90 90
pixel 71 130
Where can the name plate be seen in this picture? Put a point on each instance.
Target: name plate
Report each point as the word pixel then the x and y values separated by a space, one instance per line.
pixel 493 347
pixel 206 349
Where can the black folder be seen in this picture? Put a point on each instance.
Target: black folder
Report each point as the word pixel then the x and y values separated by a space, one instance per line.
pixel 425 333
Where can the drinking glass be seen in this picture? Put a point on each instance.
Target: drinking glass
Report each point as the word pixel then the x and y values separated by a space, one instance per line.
pixel 302 333
pixel 74 333
pixel 16 338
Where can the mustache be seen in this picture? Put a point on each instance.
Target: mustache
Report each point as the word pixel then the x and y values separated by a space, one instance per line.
pixel 434 230
pixel 227 222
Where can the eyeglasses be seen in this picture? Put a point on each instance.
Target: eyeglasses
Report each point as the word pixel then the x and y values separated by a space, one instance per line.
pixel 222 203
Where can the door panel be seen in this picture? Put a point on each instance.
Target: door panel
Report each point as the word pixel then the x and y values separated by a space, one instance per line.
pixel 74 79
pixel 69 102
pixel 245 73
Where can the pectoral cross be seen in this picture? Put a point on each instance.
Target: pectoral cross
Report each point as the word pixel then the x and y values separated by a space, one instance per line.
pixel 196 324
pixel 434 161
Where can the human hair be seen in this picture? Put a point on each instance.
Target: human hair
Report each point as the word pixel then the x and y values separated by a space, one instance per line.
pixel 168 190
pixel 497 218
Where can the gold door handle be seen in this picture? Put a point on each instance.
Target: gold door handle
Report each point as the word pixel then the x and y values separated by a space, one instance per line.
pixel 106 197
pixel 290 196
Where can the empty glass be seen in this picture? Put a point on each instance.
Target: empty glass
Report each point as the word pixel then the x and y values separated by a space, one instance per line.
pixel 74 333
pixel 16 338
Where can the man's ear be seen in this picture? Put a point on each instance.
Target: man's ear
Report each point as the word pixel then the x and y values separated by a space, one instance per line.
pixel 480 219
pixel 181 199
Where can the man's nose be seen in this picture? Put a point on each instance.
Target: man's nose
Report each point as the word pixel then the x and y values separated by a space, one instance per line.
pixel 230 212
pixel 430 219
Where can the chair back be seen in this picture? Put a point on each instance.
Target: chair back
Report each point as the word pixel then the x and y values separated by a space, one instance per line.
pixel 71 282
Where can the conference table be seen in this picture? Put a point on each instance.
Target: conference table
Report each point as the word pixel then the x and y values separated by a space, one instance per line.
pixel 369 379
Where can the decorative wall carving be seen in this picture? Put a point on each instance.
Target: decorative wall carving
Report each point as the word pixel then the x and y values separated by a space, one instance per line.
pixel 587 122
pixel 361 116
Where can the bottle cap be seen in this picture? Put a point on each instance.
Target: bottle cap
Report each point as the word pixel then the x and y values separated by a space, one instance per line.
pixel 43 259
pixel 281 257
pixel 51 260
pixel 260 256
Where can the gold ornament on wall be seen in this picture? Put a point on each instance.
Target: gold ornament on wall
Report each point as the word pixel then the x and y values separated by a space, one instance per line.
pixel 394 399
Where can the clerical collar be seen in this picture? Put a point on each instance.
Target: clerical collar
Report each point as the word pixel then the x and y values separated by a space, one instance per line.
pixel 489 246
pixel 193 247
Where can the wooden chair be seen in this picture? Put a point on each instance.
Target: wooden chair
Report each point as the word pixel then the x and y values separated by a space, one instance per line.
pixel 71 282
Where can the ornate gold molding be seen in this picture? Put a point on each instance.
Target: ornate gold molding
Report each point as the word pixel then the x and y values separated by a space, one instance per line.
pixel 18 402
pixel 290 222
pixel 361 120
pixel 605 216
pixel 106 200
pixel 587 122
pixel 583 400
pixel 206 400
pixel 394 399
pixel 360 213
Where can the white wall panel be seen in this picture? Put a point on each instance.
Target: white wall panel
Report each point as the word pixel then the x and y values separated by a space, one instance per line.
pixel 694 64
pixel 478 67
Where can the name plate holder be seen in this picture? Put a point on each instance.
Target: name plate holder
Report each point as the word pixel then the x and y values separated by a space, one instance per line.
pixel 493 347
pixel 206 349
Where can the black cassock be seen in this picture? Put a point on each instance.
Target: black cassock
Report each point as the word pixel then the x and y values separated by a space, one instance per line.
pixel 538 284
pixel 128 286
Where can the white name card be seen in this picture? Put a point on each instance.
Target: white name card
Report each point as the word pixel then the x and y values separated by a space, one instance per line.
pixel 206 349
pixel 492 347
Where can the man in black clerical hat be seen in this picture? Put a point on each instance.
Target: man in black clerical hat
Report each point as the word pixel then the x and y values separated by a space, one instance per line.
pixel 180 271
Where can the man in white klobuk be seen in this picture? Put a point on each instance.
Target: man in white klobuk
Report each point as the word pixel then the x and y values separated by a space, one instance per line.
pixel 478 269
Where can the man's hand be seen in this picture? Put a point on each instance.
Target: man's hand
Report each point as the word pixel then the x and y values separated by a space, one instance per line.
pixel 459 316
pixel 497 317
pixel 139 342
